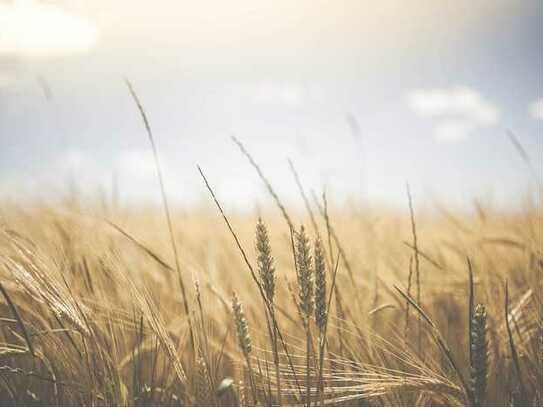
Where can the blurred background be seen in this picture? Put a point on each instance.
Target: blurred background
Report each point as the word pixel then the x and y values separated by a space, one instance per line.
pixel 363 96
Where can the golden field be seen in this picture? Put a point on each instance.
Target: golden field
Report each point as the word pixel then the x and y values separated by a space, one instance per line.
pixel 96 312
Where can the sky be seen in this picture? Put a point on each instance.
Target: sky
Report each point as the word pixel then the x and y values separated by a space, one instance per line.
pixel 362 96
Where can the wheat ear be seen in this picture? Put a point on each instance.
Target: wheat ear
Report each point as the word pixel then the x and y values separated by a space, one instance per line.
pixel 479 355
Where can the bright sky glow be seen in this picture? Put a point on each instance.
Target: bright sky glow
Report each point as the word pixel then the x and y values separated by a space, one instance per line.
pixel 432 87
pixel 31 29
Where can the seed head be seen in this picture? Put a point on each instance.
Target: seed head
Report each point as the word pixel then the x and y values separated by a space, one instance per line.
pixel 320 286
pixel 202 385
pixel 265 263
pixel 242 328
pixel 479 355
pixel 305 274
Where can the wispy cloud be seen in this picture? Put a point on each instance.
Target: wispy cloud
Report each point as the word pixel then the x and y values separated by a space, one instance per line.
pixel 33 29
pixel 536 109
pixel 459 110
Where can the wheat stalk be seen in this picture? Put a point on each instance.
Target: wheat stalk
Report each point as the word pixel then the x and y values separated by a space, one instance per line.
pixel 265 262
pixel 479 355
pixel 304 272
pixel 320 286
pixel 244 339
pixel 266 271
pixel 204 396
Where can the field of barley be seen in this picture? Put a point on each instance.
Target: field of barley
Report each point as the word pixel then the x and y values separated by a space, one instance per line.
pixel 332 305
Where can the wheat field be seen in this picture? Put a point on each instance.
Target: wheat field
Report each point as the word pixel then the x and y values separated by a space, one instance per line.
pixel 104 305
pixel 357 307
pixel 309 203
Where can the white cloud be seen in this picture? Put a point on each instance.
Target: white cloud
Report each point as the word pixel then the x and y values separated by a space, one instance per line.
pixel 459 110
pixel 32 29
pixel 536 109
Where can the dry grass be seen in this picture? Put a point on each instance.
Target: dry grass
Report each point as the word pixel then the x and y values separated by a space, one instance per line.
pixel 93 314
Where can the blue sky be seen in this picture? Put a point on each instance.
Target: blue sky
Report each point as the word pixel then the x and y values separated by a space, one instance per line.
pixel 432 89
